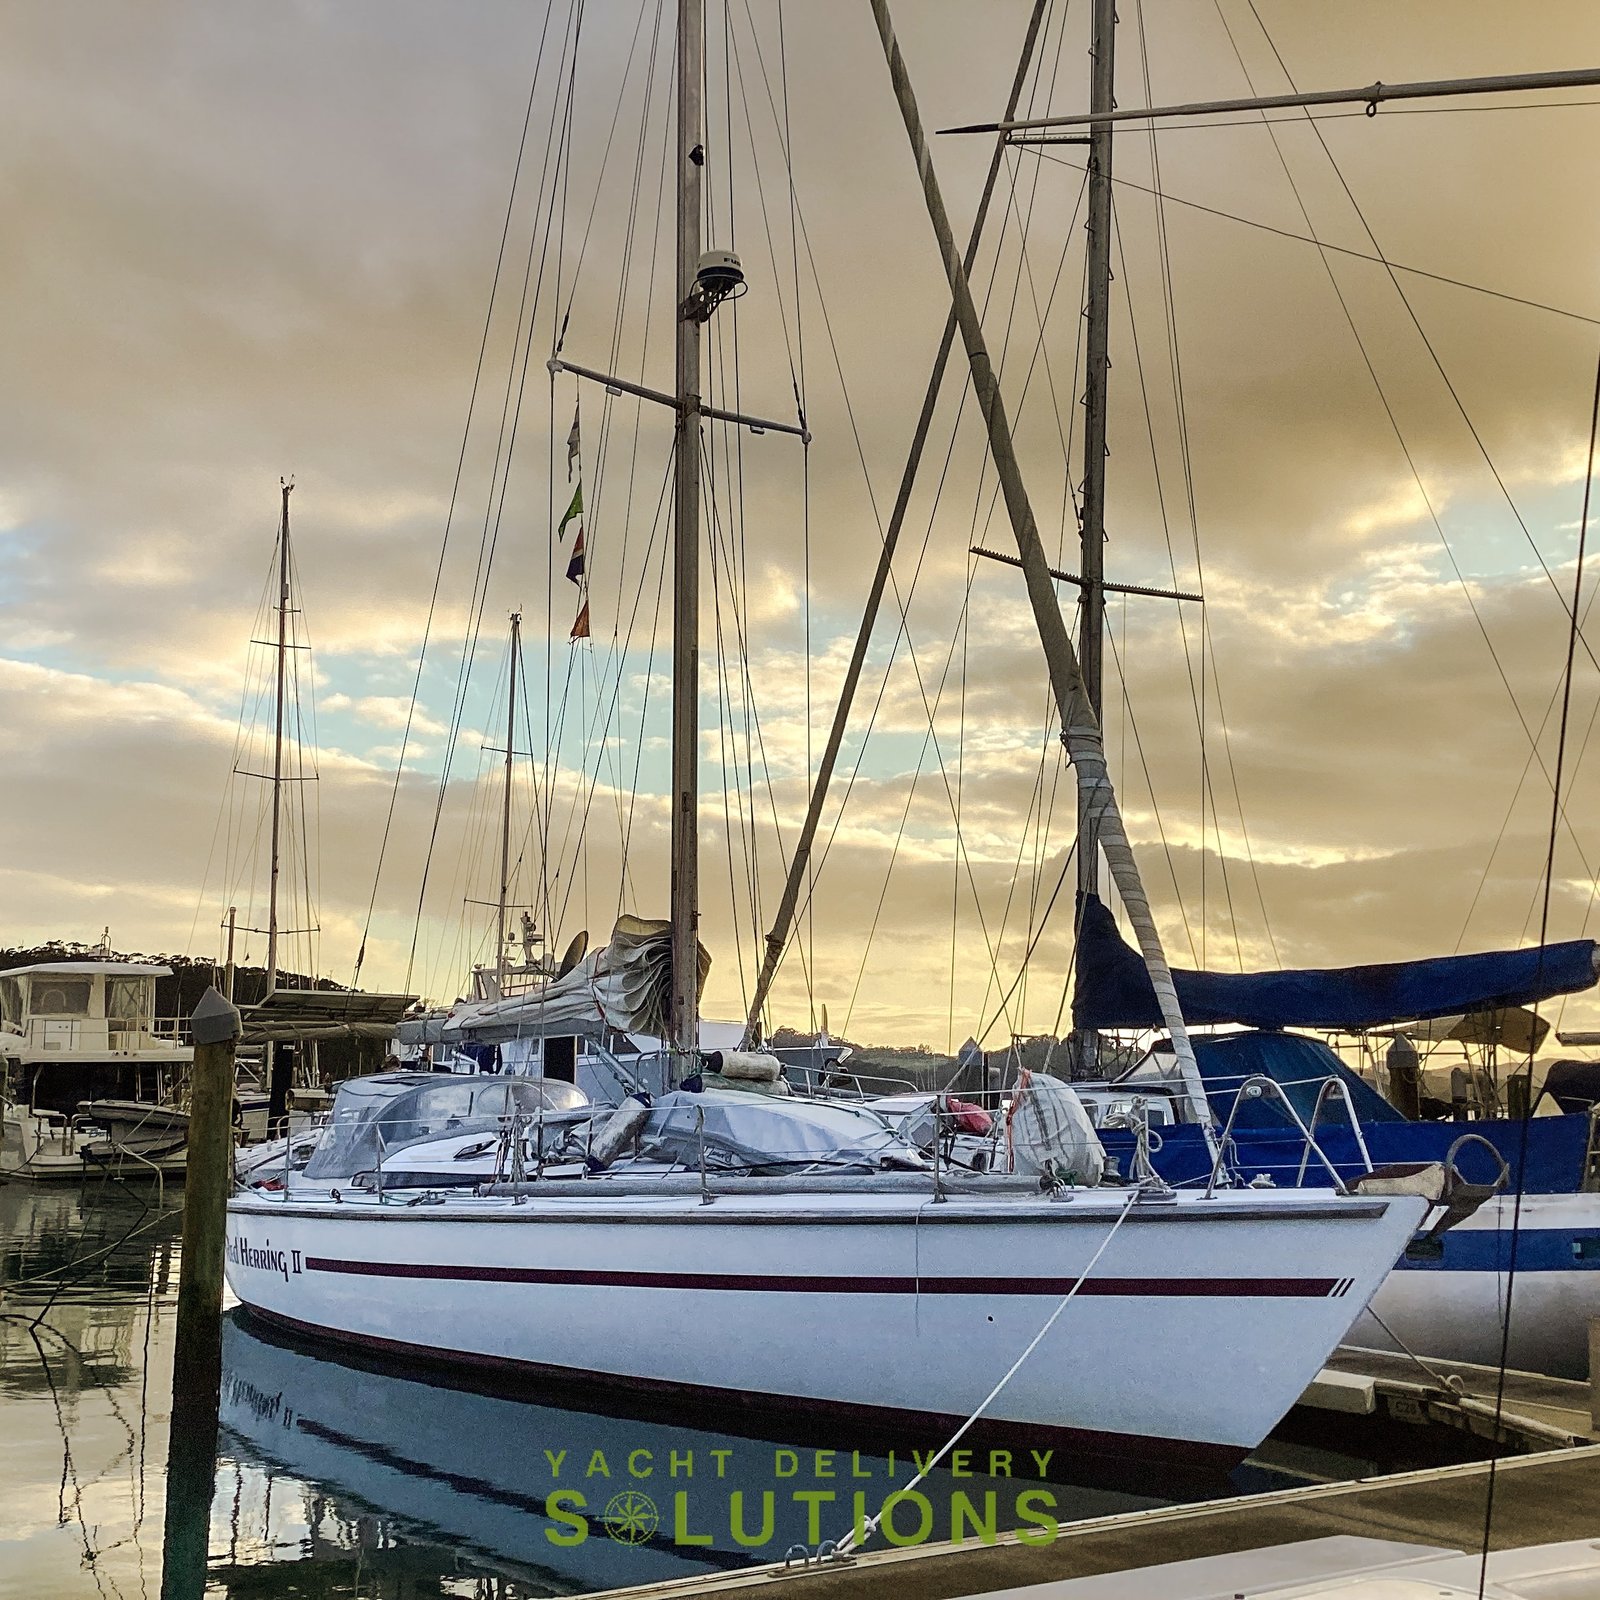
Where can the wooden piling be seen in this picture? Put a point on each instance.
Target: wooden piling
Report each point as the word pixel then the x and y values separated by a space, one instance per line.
pixel 1594 1372
pixel 197 1358
pixel 208 1181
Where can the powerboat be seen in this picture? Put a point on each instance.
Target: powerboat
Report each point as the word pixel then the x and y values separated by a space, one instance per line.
pixel 87 1074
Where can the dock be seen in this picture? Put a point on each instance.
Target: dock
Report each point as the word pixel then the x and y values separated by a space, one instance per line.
pixel 1534 1412
pixel 1539 1498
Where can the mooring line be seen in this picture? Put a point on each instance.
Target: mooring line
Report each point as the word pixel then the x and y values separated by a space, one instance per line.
pixel 846 1545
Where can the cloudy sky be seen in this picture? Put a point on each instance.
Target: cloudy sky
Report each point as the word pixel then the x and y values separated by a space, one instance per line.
pixel 248 242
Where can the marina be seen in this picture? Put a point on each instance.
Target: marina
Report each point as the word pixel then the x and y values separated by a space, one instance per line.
pixel 481 1202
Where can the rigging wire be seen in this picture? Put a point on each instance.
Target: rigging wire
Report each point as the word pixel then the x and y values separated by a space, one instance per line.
pixel 1533 738
pixel 455 490
pixel 1400 438
pixel 1544 936
pixel 902 603
pixel 1181 418
pixel 1427 344
pixel 557 157
pixel 1321 244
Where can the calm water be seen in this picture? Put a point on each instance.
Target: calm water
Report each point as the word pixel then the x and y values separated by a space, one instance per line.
pixel 335 1478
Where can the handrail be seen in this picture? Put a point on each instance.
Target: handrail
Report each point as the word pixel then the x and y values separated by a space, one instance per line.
pixel 1333 1084
pixel 1253 1088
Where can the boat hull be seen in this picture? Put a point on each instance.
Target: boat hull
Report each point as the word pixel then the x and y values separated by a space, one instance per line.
pixel 34 1149
pixel 1452 1306
pixel 901 1313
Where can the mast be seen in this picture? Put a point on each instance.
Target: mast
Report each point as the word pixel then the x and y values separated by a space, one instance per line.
pixel 505 814
pixel 685 1021
pixel 1097 366
pixel 277 741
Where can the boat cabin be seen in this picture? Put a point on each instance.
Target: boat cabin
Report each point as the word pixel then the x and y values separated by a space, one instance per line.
pixel 72 1031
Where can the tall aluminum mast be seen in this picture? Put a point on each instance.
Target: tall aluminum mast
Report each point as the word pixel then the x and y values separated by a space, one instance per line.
pixel 1097 364
pixel 685 912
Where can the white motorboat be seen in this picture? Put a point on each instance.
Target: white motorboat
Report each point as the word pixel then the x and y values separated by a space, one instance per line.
pixel 87 1076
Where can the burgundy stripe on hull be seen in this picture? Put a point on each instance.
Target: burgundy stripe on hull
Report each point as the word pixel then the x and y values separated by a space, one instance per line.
pixel 1144 1288
pixel 1112 1449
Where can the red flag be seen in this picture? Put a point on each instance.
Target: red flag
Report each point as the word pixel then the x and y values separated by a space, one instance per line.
pixel 580 628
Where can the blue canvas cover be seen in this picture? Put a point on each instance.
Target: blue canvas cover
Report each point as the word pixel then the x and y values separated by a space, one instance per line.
pixel 1298 1065
pixel 1112 988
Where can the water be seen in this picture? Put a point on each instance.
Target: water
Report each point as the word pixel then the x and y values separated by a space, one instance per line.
pixel 339 1477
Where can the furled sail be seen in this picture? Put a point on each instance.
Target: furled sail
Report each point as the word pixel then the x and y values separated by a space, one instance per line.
pixel 627 986
pixel 1113 988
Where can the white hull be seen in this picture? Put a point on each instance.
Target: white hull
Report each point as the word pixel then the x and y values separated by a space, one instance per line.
pixel 1454 1308
pixel 892 1307
pixel 41 1149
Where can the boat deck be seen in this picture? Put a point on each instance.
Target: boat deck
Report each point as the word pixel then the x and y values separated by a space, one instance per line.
pixel 1538 1499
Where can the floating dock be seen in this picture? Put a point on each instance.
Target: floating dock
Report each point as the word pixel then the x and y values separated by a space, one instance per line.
pixel 1529 1413
pixel 1541 1498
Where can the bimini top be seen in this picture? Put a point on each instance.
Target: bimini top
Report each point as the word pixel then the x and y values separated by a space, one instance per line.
pixel 1113 989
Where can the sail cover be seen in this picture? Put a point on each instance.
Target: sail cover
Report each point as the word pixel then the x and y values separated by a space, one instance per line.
pixel 627 986
pixel 1113 991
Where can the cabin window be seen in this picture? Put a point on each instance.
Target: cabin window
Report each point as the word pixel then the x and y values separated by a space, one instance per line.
pixel 60 997
pixel 128 1000
pixel 561 1058
pixel 11 1002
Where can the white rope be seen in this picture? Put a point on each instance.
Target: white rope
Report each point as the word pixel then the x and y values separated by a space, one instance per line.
pixel 847 1544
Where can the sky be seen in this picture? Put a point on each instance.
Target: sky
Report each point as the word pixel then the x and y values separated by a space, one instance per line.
pixel 336 243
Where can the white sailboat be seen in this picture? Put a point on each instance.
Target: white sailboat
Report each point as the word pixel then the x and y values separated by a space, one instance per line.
pixel 761 1251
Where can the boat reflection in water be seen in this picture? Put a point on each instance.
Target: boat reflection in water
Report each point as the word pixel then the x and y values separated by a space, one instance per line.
pixel 336 1458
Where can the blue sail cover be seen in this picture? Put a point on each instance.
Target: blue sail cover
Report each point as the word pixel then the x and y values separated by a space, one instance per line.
pixel 1113 989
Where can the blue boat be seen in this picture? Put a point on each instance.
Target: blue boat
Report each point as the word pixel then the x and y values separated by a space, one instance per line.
pixel 1446 1297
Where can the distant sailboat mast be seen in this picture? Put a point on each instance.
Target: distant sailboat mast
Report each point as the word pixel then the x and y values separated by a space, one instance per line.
pixel 501 904
pixel 277 742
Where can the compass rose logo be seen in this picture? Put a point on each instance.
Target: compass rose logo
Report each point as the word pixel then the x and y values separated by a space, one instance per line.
pixel 631 1517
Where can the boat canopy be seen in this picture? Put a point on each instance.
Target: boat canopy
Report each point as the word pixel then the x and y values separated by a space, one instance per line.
pixel 374 1116
pixel 1298 1065
pixel 626 987
pixel 1113 989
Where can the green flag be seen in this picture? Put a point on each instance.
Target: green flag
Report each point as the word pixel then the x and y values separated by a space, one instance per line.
pixel 574 510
